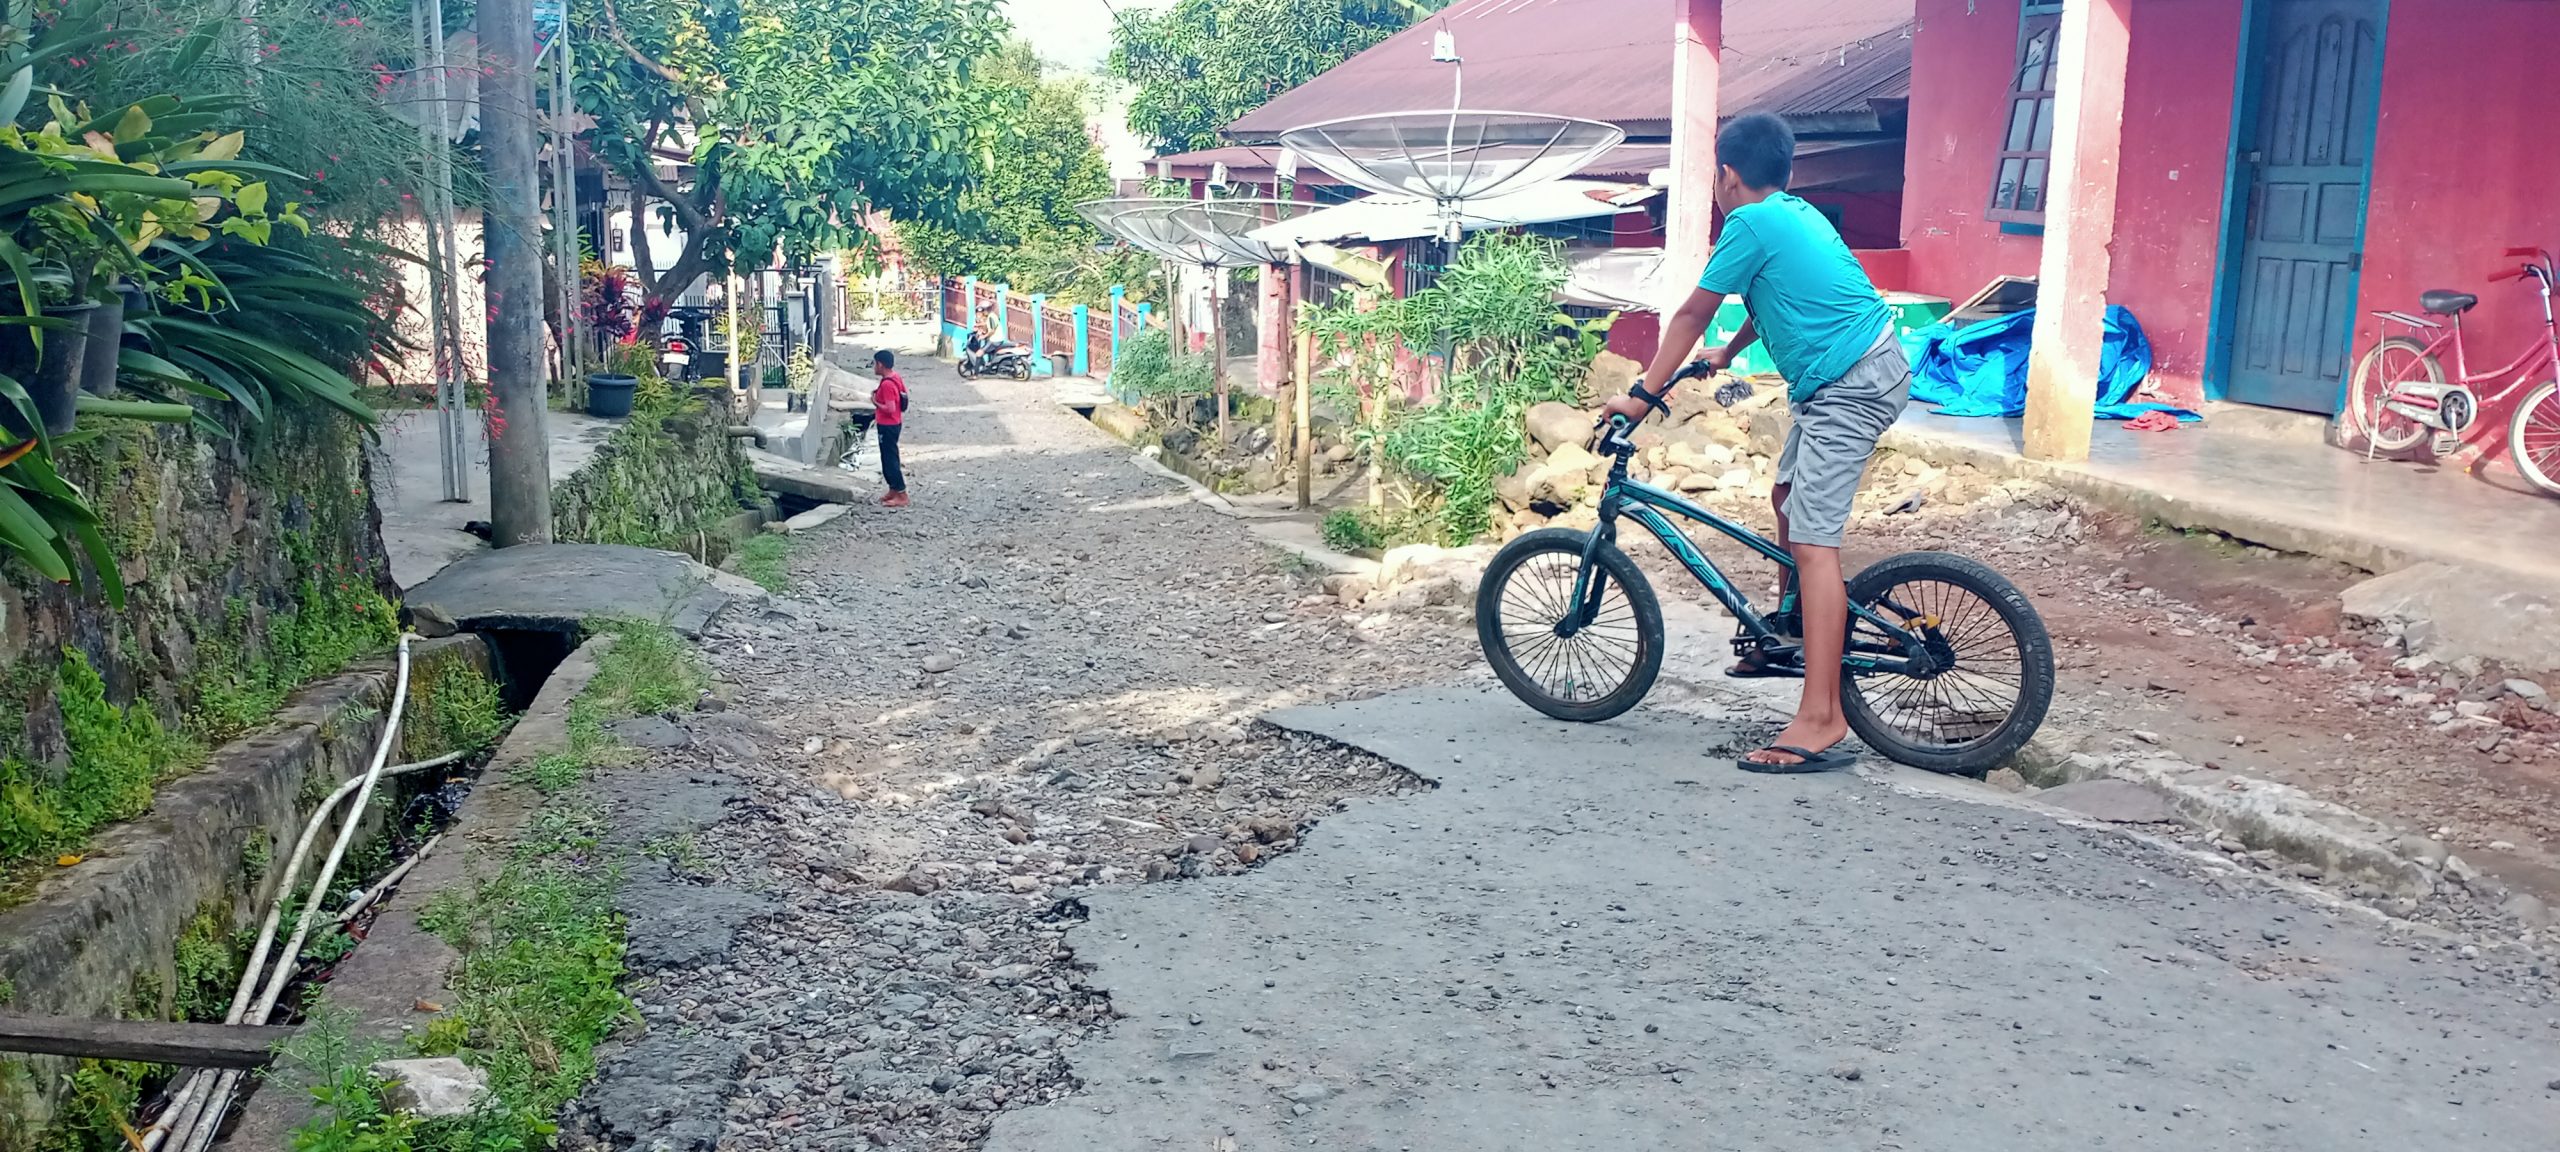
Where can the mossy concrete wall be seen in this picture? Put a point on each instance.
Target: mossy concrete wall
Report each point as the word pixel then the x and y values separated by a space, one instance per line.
pixel 669 478
pixel 221 540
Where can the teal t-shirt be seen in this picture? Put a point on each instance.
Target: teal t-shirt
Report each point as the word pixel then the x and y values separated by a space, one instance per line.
pixel 1810 301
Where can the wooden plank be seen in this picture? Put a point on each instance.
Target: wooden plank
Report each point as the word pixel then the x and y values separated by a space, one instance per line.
pixel 150 1041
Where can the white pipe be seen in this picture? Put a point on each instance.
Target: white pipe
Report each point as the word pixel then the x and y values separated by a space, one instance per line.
pixel 365 899
pixel 185 1095
pixel 194 1130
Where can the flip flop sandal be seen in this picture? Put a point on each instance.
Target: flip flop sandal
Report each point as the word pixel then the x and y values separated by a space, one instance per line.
pixel 1824 761
pixel 1762 668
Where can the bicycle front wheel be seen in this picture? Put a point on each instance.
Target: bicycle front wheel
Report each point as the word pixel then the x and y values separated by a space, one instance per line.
pixel 1584 674
pixel 2533 437
pixel 2397 360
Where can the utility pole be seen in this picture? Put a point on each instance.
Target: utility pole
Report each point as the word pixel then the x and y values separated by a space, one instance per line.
pixel 519 446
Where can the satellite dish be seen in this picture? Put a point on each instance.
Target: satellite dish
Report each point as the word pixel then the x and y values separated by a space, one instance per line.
pixel 1452 157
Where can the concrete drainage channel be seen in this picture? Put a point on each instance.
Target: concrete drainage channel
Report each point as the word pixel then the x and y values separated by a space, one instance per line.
pixel 441 805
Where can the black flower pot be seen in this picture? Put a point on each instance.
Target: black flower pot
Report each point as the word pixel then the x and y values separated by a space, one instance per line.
pixel 52 376
pixel 609 394
pixel 100 358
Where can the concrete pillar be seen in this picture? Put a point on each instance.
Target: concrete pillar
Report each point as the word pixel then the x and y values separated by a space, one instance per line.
pixel 2080 221
pixel 1081 363
pixel 968 304
pixel 1004 317
pixel 1271 354
pixel 1689 220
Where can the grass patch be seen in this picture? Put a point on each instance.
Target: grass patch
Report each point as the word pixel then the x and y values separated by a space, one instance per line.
pixel 239 685
pixel 766 559
pixel 541 945
pixel 117 756
pixel 452 709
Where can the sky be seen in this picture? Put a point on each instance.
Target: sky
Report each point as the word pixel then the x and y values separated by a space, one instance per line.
pixel 1072 33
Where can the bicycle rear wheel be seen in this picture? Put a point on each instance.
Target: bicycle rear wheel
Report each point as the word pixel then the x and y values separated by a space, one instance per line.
pixel 2533 437
pixel 1601 669
pixel 2384 367
pixel 1996 682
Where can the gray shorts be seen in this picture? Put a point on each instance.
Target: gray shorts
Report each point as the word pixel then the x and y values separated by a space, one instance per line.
pixel 1834 434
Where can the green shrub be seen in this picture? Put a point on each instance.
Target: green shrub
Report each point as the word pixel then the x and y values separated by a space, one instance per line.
pixel 1353 530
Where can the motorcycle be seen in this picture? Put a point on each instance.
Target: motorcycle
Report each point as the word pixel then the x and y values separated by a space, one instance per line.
pixel 984 357
pixel 682 355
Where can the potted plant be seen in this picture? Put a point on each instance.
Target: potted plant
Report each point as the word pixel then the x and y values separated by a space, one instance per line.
pixel 609 392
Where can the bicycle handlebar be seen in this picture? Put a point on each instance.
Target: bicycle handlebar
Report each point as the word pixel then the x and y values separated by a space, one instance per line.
pixel 2515 273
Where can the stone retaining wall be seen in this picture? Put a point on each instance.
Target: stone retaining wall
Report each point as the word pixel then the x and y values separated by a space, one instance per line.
pixel 669 478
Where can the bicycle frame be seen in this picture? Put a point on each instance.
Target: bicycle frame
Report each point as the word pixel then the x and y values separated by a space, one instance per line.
pixel 2526 369
pixel 1645 504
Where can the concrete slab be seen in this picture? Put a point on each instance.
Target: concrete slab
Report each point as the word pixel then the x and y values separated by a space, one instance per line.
pixel 822 484
pixel 2111 800
pixel 2452 611
pixel 815 518
pixel 422 530
pixel 1603 937
pixel 2304 497
pixel 560 586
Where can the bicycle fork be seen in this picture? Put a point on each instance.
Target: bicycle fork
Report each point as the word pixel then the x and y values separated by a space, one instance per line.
pixel 1590 582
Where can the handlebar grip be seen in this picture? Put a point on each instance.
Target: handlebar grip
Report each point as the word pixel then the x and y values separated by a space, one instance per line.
pixel 2507 273
pixel 2524 251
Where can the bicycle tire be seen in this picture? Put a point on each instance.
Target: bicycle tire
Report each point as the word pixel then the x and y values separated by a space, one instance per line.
pixel 1646 612
pixel 2364 407
pixel 2541 409
pixel 1982 753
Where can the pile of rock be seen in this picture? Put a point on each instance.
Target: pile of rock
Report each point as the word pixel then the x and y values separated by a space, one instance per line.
pixel 1723 458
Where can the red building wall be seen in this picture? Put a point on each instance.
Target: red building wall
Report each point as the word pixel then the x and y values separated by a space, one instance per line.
pixel 2463 163
pixel 2450 188
pixel 1962 53
pixel 2169 191
pixel 2170 182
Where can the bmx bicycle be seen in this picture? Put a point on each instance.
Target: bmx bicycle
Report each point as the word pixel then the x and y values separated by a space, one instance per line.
pixel 1947 668
pixel 2400 395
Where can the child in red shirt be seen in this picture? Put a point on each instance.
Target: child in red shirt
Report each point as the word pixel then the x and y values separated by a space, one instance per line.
pixel 889 416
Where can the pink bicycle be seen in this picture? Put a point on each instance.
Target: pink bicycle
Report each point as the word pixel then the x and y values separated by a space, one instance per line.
pixel 2400 395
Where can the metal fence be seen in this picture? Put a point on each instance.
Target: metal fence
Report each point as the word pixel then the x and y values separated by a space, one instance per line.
pixel 1066 340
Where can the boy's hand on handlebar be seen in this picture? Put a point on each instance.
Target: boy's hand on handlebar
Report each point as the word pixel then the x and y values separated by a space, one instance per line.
pixel 1717 359
pixel 1635 408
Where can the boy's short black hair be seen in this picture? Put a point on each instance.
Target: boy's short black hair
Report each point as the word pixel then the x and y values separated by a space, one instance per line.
pixel 1760 149
pixel 885 358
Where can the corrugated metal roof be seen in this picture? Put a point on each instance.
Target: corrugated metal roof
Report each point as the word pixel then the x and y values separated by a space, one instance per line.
pixel 1610 60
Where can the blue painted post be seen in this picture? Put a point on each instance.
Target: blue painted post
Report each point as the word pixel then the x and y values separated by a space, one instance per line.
pixel 1039 329
pixel 941 307
pixel 1118 294
pixel 1143 311
pixel 1004 294
pixel 969 304
pixel 1083 359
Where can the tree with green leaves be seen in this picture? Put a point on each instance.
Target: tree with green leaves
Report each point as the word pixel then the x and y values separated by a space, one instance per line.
pixel 1200 64
pixel 1017 225
pixel 796 118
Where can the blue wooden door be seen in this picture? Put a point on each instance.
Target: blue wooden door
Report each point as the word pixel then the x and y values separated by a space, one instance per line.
pixel 2305 150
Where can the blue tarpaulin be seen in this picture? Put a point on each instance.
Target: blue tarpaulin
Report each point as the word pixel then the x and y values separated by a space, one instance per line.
pixel 1981 368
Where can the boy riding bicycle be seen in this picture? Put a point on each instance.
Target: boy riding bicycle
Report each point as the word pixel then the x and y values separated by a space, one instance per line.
pixel 1833 339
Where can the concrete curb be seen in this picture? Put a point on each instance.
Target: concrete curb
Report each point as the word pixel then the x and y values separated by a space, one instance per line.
pixel 2261 815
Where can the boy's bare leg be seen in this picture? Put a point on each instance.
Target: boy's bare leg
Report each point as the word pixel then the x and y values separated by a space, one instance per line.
pixel 1824 599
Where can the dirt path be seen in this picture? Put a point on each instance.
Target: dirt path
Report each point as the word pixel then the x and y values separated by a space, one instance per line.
pixel 2236 657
